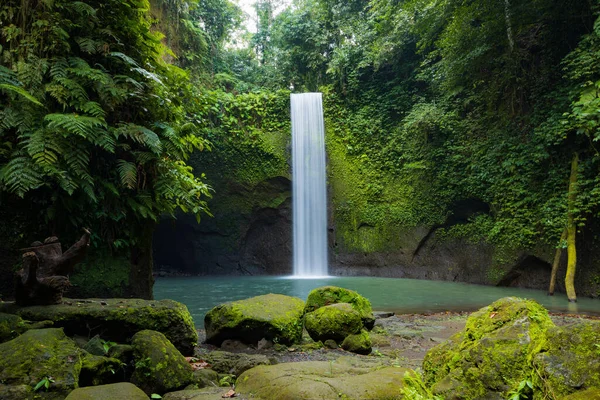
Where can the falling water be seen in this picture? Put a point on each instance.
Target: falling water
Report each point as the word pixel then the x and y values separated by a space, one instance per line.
pixel 308 190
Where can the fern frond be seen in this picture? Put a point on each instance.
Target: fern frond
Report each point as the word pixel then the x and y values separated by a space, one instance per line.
pixel 8 76
pixel 94 109
pixel 127 173
pixel 141 135
pixel 86 127
pixel 5 87
pixel 87 45
pixel 148 75
pixel 44 149
pixel 143 157
pixel 59 68
pixel 20 175
pixel 77 158
pixel 67 183
pixel 75 90
pixel 124 57
pixel 82 8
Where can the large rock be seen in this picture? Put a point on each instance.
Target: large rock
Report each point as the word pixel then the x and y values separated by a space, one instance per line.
pixel 35 355
pixel 274 317
pixel 100 370
pixel 345 378
pixel 335 322
pixel 590 394
pixel 115 391
pixel 492 355
pixel 327 295
pixel 569 358
pixel 116 319
pixel 159 367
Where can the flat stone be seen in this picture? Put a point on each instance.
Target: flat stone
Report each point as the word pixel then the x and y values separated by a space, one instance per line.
pixel 346 377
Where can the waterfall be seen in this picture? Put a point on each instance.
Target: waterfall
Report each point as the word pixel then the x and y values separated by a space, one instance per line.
pixel 309 197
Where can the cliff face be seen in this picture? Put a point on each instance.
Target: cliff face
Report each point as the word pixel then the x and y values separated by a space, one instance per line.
pixel 381 222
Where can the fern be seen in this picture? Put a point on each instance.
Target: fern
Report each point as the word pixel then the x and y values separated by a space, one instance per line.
pixel 127 173
pixel 5 87
pixel 75 124
pixel 20 175
pixel 44 149
pixel 94 109
pixel 140 135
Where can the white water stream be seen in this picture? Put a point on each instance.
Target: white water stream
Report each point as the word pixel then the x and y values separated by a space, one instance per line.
pixel 309 194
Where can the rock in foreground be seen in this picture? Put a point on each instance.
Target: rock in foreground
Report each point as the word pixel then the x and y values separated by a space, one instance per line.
pixel 274 317
pixel 116 319
pixel 335 322
pixel 345 378
pixel 115 391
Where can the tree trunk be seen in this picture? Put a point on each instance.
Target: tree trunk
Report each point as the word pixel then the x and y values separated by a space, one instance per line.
pixel 140 274
pixel 556 262
pixel 571 232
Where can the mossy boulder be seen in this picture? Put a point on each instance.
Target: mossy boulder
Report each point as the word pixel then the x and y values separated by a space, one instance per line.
pixel 326 295
pixel 116 319
pixel 35 355
pixel 335 322
pixel 234 363
pixel 359 343
pixel 206 377
pixel 345 378
pixel 159 366
pixel 274 317
pixel 115 391
pixel 12 326
pixel 492 355
pixel 569 358
pixel 208 393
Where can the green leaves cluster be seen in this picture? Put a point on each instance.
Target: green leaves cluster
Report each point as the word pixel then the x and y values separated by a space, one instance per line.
pixel 95 125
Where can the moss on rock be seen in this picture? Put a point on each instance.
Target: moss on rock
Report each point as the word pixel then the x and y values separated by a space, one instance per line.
pixel 335 322
pixel 122 390
pixel 116 319
pixel 100 370
pixel 493 354
pixel 12 326
pixel 274 317
pixel 359 343
pixel 569 359
pixel 327 295
pixel 159 366
pixel 590 394
pixel 38 354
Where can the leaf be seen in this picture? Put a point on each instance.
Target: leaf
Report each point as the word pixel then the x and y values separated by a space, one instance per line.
pixel 127 173
pixel 20 91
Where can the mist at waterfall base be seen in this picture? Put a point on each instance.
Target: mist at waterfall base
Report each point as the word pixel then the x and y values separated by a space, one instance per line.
pixel 401 296
pixel 309 193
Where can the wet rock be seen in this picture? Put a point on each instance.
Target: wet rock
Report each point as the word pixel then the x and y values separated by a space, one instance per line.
pixel 274 317
pixel 359 343
pixel 491 356
pixel 159 367
pixel 206 377
pixel 12 326
pixel 345 377
pixel 118 320
pixel 335 322
pixel 327 295
pixel 95 346
pixel 115 391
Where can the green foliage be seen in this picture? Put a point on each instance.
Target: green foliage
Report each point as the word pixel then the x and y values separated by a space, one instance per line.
pixel 95 126
pixel 415 389
pixel 43 383
pixel 523 391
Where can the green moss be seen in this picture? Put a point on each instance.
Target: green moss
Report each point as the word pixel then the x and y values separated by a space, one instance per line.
pixel 569 358
pixel 117 319
pixel 159 366
pixel 327 295
pixel 493 354
pixel 358 343
pixel 275 317
pixel 335 322
pixel 100 275
pixel 40 353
